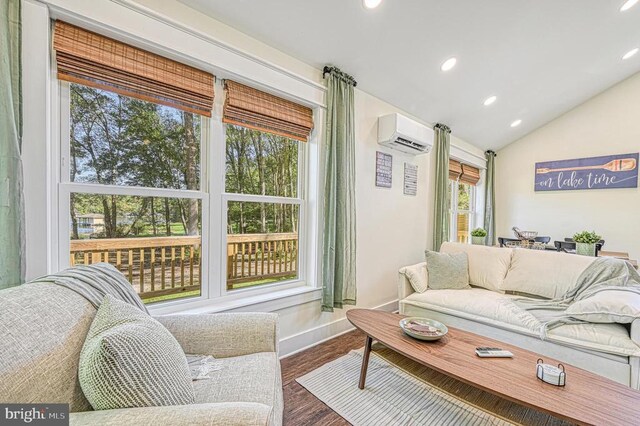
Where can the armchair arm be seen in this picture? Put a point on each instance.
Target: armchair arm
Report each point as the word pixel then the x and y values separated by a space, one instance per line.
pixel 214 414
pixel 224 335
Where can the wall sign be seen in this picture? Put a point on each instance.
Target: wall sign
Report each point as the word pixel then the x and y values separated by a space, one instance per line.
pixel 384 169
pixel 410 179
pixel 610 171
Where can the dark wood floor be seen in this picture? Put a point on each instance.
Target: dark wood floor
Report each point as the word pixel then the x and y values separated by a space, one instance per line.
pixel 300 406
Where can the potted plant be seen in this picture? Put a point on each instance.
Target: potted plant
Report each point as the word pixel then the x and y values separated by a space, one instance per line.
pixel 478 236
pixel 586 242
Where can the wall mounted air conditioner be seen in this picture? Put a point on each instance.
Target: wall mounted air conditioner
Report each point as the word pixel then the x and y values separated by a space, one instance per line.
pixel 404 134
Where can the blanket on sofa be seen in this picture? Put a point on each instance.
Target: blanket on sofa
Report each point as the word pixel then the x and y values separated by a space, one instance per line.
pixel 604 274
pixel 94 282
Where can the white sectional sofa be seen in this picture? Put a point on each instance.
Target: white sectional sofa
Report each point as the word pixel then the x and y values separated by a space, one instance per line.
pixel 498 275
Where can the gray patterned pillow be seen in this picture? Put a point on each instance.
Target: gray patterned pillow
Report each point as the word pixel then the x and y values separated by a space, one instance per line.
pixel 130 360
pixel 447 271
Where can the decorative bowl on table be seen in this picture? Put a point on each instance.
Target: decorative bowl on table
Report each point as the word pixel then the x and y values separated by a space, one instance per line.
pixel 423 328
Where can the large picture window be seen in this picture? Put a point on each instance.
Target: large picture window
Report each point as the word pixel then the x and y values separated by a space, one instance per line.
pixel 154 182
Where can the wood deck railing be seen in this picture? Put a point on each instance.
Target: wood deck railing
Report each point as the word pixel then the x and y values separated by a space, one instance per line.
pixel 256 257
pixel 155 266
pixel 160 266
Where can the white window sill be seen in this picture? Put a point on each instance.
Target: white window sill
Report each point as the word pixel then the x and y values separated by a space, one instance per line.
pixel 266 302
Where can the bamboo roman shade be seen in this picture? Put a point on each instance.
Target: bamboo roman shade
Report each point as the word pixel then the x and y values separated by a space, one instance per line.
pixel 94 60
pixel 470 175
pixel 463 172
pixel 455 169
pixel 252 108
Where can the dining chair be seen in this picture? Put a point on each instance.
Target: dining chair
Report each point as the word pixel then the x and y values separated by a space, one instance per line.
pixel 503 240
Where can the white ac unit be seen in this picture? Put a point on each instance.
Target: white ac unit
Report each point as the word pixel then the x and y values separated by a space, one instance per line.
pixel 404 134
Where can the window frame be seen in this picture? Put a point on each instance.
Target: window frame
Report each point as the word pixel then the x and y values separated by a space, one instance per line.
pixel 213 289
pixel 454 211
pixel 302 230
pixel 66 188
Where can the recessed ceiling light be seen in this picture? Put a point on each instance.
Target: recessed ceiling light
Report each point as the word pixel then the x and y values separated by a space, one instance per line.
pixel 630 53
pixel 490 100
pixel 448 64
pixel 371 4
pixel 516 123
pixel 628 5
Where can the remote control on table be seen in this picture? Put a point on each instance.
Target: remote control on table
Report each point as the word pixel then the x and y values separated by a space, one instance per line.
pixel 493 353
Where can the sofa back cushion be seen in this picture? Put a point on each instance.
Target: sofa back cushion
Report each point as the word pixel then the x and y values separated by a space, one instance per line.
pixel 488 266
pixel 43 327
pixel 544 273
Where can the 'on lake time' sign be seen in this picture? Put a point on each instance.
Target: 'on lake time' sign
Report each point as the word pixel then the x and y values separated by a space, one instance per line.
pixel 610 171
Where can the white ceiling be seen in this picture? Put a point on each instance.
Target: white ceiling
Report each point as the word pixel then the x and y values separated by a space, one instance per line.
pixel 540 57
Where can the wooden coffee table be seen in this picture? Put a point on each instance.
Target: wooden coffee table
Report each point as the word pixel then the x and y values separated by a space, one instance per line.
pixel 587 398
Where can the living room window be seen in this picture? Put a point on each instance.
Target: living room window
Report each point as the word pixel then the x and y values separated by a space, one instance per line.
pixel 132 130
pixel 263 198
pixel 462 211
pixel 141 179
pixel 462 195
pixel 263 207
pixel 125 207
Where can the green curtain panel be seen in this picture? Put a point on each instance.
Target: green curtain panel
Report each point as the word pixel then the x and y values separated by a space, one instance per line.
pixel 441 206
pixel 11 202
pixel 339 213
pixel 490 199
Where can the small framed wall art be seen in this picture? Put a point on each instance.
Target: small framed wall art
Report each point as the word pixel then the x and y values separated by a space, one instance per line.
pixel 384 169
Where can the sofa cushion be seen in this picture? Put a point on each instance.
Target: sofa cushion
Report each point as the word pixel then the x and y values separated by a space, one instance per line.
pixel 498 310
pixel 488 266
pixel 446 270
pixel 608 306
pixel 417 276
pixel 43 327
pixel 477 302
pixel 130 360
pixel 544 273
pixel 248 378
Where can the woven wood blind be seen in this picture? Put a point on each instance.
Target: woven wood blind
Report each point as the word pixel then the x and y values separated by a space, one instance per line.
pixel 94 60
pixel 455 169
pixel 470 175
pixel 252 108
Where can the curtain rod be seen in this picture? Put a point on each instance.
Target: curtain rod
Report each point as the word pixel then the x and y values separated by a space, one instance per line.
pixel 328 70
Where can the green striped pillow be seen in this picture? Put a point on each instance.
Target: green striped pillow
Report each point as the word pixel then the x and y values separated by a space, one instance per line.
pixel 130 360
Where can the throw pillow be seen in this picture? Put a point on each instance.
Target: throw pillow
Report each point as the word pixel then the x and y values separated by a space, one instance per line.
pixel 608 306
pixel 447 270
pixel 417 276
pixel 130 360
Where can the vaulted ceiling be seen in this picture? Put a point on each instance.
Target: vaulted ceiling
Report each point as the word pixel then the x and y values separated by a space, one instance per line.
pixel 539 58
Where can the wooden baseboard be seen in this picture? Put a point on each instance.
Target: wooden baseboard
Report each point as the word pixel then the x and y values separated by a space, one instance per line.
pixel 309 338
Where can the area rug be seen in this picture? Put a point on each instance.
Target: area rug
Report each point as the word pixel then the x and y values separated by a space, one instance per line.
pixel 399 391
pixel 391 396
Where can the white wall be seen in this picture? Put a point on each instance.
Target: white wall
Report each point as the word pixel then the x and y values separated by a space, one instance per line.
pixel 392 229
pixel 607 124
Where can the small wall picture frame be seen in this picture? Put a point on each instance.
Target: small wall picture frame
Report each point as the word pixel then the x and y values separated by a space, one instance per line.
pixel 384 169
pixel 410 179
